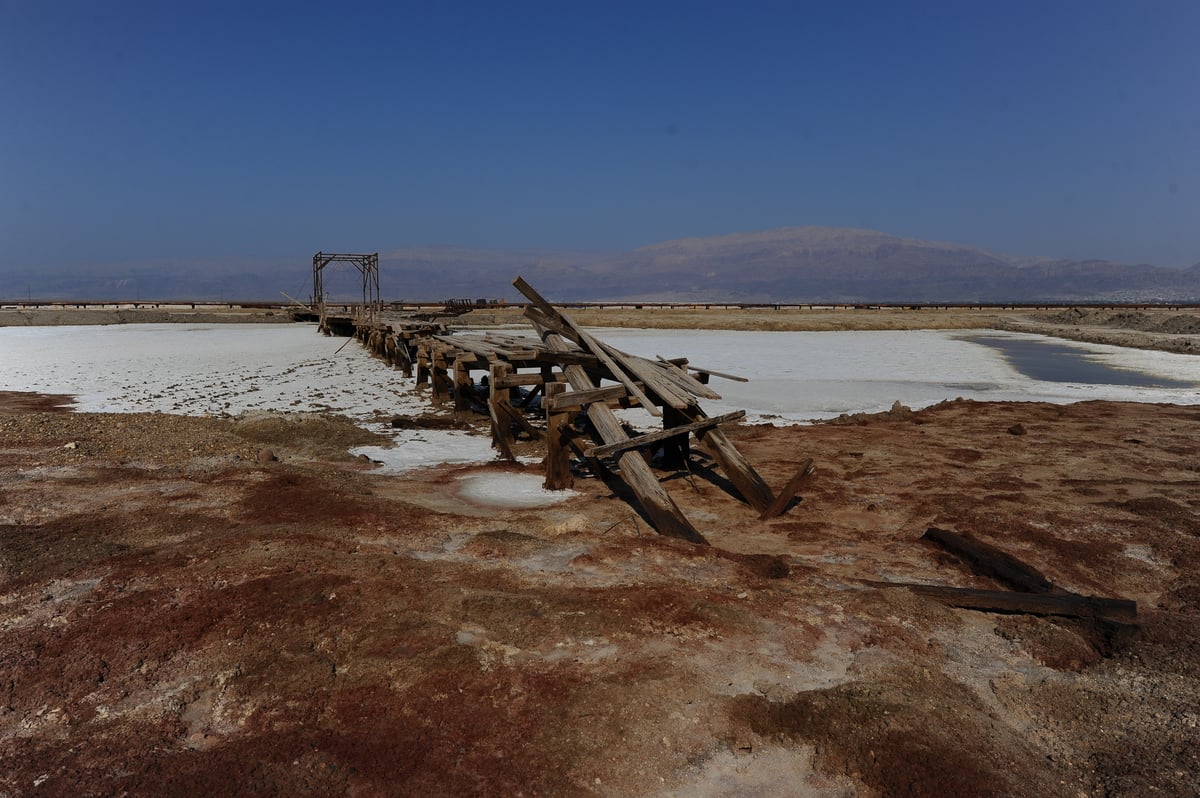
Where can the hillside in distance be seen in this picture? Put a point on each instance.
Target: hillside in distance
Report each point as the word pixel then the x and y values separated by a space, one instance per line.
pixel 794 264
pixel 821 264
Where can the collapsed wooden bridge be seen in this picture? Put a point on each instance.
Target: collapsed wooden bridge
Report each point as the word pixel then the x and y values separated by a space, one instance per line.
pixel 561 389
pixel 577 381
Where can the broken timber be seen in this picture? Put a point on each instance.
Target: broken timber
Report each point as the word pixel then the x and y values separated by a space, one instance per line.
pixel 550 390
pixel 1034 594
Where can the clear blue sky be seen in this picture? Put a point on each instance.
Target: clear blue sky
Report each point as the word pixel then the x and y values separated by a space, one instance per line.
pixel 209 130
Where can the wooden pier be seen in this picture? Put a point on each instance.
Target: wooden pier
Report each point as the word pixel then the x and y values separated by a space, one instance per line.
pixel 560 390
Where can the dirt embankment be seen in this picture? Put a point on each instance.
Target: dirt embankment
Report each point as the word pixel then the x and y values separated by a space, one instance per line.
pixel 1164 330
pixel 181 616
pixel 58 315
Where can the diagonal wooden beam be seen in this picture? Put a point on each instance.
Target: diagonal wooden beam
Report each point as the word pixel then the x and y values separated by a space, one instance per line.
pixel 661 435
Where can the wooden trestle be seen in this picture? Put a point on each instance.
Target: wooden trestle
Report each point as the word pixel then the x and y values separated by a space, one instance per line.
pixel 567 366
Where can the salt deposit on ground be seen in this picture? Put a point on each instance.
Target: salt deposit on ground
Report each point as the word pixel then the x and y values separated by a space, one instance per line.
pixel 198 369
pixel 504 489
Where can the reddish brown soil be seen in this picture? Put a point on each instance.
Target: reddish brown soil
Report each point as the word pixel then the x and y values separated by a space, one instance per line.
pixel 177 617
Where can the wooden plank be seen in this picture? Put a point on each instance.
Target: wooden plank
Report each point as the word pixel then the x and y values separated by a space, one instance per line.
pixel 652 377
pixel 1068 604
pixel 789 491
pixel 501 424
pixel 988 560
pixel 658 504
pixel 748 482
pixel 700 370
pixel 662 435
pixel 684 380
pixel 517 380
pixel 575 400
pixel 558 458
pixel 587 342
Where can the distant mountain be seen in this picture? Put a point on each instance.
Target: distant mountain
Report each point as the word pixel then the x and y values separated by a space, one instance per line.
pixel 793 264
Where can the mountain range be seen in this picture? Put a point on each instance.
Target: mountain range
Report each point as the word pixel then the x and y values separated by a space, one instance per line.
pixel 794 264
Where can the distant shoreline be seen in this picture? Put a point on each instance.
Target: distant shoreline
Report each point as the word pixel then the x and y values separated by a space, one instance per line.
pixel 1170 329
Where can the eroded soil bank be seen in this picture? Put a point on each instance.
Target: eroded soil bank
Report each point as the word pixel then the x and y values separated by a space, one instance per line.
pixel 180 614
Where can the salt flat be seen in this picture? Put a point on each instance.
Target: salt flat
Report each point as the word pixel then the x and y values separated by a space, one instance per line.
pixel 213 369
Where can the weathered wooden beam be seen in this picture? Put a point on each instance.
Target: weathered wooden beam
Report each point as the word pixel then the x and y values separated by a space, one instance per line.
pixel 502 438
pixel 789 491
pixel 658 504
pixel 440 377
pixel 1068 604
pixel 652 377
pixel 661 435
pixel 517 380
pixel 748 481
pixel 987 560
pixel 422 364
pixel 558 458
pixel 464 388
pixel 588 343
pixel 574 400
pixel 519 417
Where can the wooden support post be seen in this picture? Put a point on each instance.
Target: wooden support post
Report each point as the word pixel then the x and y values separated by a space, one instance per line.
pixel 422 364
pixel 664 514
pixel 558 458
pixel 736 467
pixel 502 438
pixel 463 388
pixel 404 355
pixel 441 378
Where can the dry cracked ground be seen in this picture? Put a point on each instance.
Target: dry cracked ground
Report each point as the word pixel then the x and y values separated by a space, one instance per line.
pixel 179 615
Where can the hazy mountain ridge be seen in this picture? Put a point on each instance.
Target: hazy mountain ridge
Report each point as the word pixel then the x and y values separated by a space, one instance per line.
pixel 794 264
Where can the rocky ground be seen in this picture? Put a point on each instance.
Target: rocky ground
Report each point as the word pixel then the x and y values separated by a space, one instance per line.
pixel 207 606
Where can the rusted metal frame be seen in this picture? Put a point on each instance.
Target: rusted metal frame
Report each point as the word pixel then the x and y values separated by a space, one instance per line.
pixel 368 268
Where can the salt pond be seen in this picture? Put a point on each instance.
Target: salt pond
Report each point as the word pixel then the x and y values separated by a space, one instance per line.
pixel 795 376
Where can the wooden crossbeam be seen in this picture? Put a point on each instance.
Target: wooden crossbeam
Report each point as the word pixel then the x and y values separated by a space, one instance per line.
pixel 609 449
pixel 587 342
pixel 748 481
pixel 574 400
pixel 658 504
pixel 518 380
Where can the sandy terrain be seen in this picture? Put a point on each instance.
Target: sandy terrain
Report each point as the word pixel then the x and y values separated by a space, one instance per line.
pixel 147 314
pixel 182 614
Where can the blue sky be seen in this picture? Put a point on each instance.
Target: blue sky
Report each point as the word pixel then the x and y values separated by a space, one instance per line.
pixel 218 131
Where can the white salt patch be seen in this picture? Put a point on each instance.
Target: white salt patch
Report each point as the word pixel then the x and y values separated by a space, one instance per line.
pixel 510 490
pixel 421 448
